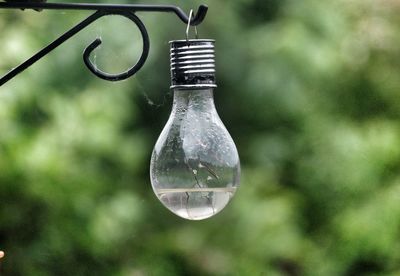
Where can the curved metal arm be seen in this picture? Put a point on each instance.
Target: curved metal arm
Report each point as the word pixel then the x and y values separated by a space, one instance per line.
pixel 124 75
pixel 101 10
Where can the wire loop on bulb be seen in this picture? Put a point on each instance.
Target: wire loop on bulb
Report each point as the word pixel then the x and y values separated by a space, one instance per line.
pixel 188 27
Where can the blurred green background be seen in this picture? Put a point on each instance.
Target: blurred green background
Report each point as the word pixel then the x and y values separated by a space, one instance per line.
pixel 309 91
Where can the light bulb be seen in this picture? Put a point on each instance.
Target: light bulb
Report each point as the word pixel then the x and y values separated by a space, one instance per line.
pixel 195 166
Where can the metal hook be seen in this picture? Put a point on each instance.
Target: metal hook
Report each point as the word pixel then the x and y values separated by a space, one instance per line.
pixel 188 26
pixel 199 16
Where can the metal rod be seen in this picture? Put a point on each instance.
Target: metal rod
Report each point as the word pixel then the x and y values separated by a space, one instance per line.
pixel 196 20
pixel 48 48
pixel 101 10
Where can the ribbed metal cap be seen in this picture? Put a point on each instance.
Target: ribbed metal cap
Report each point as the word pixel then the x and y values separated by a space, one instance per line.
pixel 192 63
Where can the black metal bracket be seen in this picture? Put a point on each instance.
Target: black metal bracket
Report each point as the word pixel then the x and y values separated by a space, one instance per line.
pixel 127 11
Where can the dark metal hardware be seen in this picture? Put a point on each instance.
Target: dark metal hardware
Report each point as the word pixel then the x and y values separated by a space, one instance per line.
pixel 127 11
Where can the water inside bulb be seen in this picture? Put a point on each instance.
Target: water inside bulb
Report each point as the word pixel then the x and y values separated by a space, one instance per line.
pixel 195 165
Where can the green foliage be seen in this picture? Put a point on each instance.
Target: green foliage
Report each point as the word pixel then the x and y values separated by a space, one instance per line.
pixel 307 89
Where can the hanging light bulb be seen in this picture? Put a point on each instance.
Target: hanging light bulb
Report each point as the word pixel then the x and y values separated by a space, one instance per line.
pixel 195 166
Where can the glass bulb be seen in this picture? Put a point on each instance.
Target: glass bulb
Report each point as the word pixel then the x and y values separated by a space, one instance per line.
pixel 195 166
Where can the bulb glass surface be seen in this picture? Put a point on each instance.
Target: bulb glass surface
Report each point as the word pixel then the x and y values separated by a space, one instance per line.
pixel 195 166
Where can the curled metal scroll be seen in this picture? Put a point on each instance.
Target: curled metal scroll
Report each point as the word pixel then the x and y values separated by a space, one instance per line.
pixel 131 71
pixel 127 11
